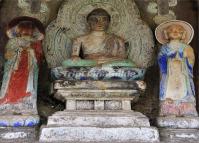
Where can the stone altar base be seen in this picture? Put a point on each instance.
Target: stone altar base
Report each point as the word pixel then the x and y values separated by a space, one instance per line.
pixel 98 111
pixel 98 126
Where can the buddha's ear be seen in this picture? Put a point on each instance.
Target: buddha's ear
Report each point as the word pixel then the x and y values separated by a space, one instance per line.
pixel 183 35
pixel 165 35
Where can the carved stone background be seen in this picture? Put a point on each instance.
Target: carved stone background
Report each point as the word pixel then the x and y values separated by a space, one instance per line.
pixel 71 22
pixel 43 13
pixel 148 103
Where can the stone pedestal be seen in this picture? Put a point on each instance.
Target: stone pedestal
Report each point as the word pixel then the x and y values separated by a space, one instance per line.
pixel 19 120
pixel 18 128
pixel 18 135
pixel 178 128
pixel 100 112
pixel 178 122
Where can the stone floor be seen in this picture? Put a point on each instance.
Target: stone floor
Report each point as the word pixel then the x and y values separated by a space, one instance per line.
pixel 165 136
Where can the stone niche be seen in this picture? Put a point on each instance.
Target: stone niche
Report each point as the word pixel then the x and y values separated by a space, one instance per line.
pixel 71 22
pixel 98 109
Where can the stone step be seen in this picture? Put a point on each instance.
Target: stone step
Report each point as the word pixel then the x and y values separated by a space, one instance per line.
pixel 97 134
pixel 99 119
pixel 169 135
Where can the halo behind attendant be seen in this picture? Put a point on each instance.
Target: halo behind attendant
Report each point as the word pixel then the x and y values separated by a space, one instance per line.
pixel 159 32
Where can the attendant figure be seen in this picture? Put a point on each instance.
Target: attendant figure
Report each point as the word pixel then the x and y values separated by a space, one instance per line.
pixel 23 53
pixel 176 60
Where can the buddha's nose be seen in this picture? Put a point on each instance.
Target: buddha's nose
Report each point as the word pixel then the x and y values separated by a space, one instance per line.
pixel 100 20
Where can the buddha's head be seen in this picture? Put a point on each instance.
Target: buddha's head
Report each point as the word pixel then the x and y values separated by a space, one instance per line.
pixel 25 28
pixel 175 32
pixel 98 20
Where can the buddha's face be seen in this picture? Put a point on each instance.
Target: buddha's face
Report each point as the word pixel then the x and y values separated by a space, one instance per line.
pixel 98 20
pixel 98 23
pixel 175 32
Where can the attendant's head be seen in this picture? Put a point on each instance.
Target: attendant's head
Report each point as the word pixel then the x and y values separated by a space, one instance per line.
pixel 98 20
pixel 175 32
pixel 25 28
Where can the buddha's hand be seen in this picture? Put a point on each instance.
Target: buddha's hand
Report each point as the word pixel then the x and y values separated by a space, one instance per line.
pixel 75 58
pixel 9 55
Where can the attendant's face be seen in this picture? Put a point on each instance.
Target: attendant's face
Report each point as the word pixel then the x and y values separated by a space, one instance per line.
pixel 26 32
pixel 98 23
pixel 175 32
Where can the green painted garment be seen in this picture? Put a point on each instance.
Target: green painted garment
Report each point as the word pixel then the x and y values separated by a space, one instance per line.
pixel 122 63
pixel 92 63
pixel 79 63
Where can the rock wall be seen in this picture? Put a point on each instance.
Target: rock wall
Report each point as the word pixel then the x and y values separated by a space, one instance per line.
pixel 148 103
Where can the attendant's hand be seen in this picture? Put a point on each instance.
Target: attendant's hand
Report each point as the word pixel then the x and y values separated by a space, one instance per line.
pixel 189 53
pixel 169 101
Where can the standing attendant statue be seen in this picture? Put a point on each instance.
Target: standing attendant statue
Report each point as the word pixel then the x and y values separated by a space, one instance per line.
pixel 176 60
pixel 23 53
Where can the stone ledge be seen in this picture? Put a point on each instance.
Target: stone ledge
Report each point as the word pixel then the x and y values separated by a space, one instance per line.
pixel 86 94
pixel 89 84
pixel 97 134
pixel 178 122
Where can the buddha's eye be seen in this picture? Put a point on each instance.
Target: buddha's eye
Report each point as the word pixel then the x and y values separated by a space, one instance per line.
pixel 105 19
pixel 93 19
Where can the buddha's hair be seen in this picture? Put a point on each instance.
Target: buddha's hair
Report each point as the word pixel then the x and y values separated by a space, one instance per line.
pixel 99 12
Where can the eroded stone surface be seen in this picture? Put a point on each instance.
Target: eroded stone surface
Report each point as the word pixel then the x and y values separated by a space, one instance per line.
pixel 178 122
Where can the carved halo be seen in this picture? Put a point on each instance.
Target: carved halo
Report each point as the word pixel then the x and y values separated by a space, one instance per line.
pixel 125 22
pixel 73 16
pixel 159 32
pixel 13 25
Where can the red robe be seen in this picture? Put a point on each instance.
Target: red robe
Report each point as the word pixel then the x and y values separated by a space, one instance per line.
pixel 17 88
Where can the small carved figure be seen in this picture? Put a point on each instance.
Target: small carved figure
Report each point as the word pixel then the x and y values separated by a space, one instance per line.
pixel 98 47
pixel 176 60
pixel 23 54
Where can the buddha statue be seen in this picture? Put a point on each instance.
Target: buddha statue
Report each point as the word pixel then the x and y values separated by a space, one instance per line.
pixel 98 47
